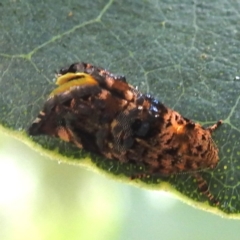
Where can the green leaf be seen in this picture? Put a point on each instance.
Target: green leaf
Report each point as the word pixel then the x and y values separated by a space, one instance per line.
pixel 185 54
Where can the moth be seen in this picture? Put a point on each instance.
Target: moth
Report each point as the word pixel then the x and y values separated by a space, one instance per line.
pixel 101 113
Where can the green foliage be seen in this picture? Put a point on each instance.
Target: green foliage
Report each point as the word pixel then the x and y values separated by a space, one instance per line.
pixel 185 54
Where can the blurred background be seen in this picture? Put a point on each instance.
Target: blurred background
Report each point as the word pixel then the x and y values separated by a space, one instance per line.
pixel 44 199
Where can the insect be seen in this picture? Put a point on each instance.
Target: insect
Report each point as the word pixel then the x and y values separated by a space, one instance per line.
pixel 100 112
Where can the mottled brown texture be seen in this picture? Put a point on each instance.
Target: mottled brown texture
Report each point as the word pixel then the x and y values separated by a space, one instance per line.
pixel 111 118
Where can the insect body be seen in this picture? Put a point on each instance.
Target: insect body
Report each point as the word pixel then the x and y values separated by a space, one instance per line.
pixel 102 113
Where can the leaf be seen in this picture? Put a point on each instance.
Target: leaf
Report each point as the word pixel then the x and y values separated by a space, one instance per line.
pixel 185 54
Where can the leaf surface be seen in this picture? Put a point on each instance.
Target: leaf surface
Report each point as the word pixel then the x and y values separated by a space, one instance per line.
pixel 184 53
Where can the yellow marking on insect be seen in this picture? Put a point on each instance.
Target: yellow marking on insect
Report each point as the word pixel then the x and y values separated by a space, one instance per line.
pixel 70 81
pixel 62 79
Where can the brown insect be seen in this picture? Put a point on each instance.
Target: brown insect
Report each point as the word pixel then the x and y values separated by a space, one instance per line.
pixel 102 113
